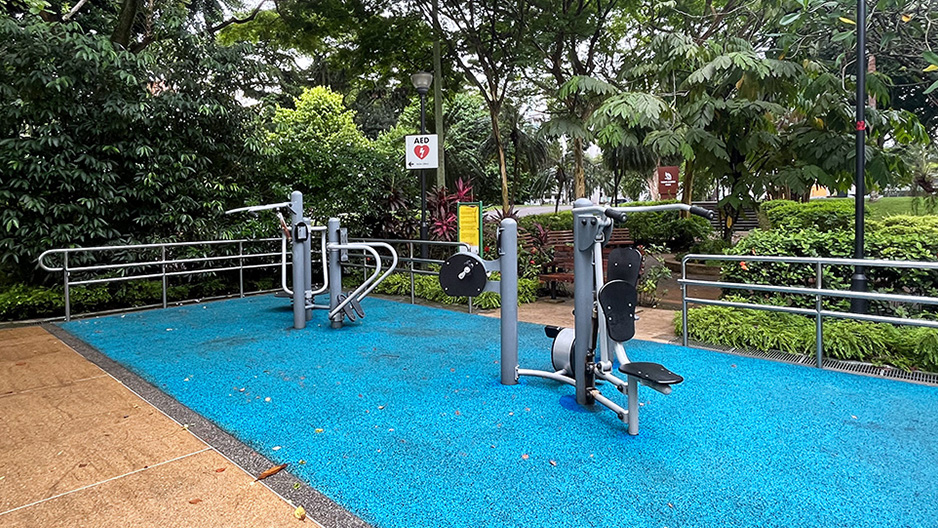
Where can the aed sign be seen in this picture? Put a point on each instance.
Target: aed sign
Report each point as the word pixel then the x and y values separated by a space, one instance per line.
pixel 422 152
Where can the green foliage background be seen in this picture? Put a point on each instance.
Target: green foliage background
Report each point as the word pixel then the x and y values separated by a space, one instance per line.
pixel 101 146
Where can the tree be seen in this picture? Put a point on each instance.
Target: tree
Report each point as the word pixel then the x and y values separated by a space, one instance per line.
pixel 899 39
pixel 630 167
pixel 320 151
pixel 102 145
pixel 487 40
pixel 572 39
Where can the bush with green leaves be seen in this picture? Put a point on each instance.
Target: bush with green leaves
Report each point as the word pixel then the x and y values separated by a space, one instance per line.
pixel 829 214
pixel 100 145
pixel 902 238
pixel 657 228
pixel 21 301
pixel 319 150
pixel 881 344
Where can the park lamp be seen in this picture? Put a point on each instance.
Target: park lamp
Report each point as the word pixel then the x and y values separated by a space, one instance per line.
pixel 422 82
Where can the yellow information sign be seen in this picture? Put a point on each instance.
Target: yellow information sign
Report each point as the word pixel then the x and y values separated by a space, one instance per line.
pixel 469 227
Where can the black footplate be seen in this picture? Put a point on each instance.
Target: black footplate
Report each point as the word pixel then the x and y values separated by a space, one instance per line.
pixel 352 308
pixel 625 265
pixel 651 372
pixel 619 299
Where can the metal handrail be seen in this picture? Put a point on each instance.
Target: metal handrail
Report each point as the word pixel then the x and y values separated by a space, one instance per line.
pixel 819 292
pixel 244 261
pixel 234 262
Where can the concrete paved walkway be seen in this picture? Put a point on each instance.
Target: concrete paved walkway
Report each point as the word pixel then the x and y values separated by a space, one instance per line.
pixel 79 449
pixel 653 324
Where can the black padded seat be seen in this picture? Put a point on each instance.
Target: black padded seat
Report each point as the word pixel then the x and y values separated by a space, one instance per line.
pixel 624 264
pixel 651 372
pixel 619 299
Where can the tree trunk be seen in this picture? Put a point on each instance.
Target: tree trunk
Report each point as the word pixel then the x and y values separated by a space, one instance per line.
pixel 687 191
pixel 438 98
pixel 579 175
pixel 125 23
pixel 506 203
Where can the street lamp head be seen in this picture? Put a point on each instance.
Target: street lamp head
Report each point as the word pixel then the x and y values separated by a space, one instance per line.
pixel 422 81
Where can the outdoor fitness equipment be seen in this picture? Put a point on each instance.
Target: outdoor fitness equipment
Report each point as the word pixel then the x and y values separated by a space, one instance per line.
pixel 604 312
pixel 334 246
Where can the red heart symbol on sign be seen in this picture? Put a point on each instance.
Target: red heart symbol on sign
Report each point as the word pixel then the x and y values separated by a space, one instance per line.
pixel 421 151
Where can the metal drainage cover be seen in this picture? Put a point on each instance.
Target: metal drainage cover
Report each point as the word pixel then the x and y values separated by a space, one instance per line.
pixel 867 369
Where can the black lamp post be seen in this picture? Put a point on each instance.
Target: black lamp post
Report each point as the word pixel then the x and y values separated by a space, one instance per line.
pixel 858 282
pixel 422 82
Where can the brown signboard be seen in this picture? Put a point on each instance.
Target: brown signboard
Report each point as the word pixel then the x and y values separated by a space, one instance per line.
pixel 668 182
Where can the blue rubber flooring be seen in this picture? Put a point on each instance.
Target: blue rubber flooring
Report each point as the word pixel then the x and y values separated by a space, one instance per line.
pixel 401 420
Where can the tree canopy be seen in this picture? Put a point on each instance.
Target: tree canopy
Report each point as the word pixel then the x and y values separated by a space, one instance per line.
pixel 139 120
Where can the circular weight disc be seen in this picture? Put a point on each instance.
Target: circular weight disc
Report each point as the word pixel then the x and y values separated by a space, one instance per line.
pixel 561 351
pixel 463 275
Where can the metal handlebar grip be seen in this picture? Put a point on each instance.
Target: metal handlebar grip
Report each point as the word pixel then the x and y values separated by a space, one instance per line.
pixel 700 211
pixel 617 216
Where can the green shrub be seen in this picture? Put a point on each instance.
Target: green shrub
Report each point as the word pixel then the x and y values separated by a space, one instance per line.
pixel 658 228
pixel 903 225
pixel 877 343
pixel 820 214
pixel 26 302
pixel 20 301
pixel 710 246
pixel 906 238
pixel 560 221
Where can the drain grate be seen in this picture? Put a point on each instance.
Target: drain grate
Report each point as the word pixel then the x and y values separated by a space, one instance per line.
pixel 927 378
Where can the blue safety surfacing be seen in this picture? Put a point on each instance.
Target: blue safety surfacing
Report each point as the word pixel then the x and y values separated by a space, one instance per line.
pixel 400 418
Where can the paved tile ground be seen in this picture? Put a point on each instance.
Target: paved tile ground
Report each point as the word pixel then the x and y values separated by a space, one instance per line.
pixel 79 449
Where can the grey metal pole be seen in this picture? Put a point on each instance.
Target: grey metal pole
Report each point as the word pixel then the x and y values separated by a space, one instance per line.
pixel 163 267
pixel 684 332
pixel 859 282
pixel 68 303
pixel 410 249
pixel 423 182
pixel 308 269
pixel 299 263
pixel 582 299
pixel 819 328
pixel 508 287
pixel 335 270
pixel 241 269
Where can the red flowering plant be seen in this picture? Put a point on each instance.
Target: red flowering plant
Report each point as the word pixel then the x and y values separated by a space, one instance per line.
pixel 441 205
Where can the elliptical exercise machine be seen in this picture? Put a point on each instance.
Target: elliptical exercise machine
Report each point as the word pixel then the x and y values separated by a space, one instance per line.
pixel 604 311
pixel 334 246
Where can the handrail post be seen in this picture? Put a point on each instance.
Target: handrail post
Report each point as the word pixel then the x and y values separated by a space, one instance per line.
pixel 163 268
pixel 68 307
pixel 684 332
pixel 241 268
pixel 819 329
pixel 410 246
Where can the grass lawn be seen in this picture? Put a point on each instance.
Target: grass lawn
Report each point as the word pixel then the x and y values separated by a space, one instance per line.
pixel 899 205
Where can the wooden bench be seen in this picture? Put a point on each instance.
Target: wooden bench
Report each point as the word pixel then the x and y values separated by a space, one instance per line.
pixel 620 237
pixel 560 268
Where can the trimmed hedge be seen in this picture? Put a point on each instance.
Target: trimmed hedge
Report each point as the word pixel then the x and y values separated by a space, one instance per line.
pixel 880 344
pixel 829 214
pixel 20 302
pixel 897 238
pixel 657 228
